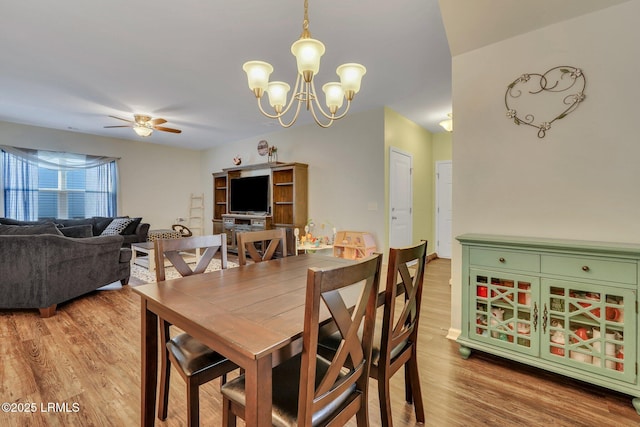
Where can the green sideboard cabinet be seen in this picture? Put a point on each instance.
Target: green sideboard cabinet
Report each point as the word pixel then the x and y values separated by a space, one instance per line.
pixel 566 306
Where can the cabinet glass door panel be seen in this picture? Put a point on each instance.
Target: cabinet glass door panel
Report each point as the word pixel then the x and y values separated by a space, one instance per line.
pixel 583 325
pixel 506 313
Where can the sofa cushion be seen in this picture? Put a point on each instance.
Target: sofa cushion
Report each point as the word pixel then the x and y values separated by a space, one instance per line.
pixel 78 231
pixel 49 228
pixel 125 254
pixel 11 221
pixel 74 222
pixel 117 226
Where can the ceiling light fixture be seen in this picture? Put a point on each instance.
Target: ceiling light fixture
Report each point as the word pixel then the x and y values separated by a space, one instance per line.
pixel 142 130
pixel 307 52
pixel 448 123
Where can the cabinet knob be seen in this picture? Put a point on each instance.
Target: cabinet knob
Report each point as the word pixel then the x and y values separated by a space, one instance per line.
pixel 501 259
pixel 585 268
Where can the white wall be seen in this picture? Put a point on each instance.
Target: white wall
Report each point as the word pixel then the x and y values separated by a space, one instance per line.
pixel 346 169
pixel 156 180
pixel 580 181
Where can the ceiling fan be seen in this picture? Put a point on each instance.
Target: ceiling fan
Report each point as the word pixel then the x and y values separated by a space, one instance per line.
pixel 144 125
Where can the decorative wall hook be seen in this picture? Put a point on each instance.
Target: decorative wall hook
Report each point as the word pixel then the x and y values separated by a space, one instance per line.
pixel 560 89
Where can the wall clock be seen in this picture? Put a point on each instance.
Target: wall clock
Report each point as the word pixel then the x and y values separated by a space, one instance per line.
pixel 263 147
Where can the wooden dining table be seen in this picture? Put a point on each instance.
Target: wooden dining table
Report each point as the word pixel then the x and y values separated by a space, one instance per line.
pixel 253 315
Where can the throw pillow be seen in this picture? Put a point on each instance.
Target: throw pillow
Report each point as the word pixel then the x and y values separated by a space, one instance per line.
pixel 131 228
pixel 100 223
pixel 77 231
pixel 22 230
pixel 117 226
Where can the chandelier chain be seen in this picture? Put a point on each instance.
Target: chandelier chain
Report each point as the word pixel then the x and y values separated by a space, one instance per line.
pixel 306 34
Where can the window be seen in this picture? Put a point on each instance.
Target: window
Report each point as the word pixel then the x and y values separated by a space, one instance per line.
pixel 45 184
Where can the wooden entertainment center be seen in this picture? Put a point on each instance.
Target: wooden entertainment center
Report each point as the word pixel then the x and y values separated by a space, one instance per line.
pixel 287 207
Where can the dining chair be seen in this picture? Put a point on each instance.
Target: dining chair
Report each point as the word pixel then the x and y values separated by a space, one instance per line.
pixel 270 240
pixel 399 332
pixel 307 389
pixel 195 362
pixel 396 333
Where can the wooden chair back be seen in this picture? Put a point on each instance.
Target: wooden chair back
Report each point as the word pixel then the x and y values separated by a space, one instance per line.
pixel 349 368
pixel 397 328
pixel 270 240
pixel 173 250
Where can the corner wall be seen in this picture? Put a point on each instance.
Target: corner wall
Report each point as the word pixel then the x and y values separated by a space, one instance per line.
pixel 581 180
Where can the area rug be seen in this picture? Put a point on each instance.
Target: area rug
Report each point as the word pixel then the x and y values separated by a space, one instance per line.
pixel 147 276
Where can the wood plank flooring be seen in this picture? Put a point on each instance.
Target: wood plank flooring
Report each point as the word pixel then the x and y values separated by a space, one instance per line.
pixel 81 367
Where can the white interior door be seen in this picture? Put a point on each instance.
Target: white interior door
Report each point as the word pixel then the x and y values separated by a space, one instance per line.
pixel 444 185
pixel 400 199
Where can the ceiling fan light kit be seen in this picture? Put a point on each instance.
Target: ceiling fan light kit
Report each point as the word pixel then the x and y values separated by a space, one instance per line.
pixel 308 52
pixel 142 130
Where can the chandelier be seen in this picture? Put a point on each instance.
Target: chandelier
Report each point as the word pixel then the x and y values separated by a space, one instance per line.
pixel 307 52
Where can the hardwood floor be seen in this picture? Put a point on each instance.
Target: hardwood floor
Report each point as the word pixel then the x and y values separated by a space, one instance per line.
pixel 81 367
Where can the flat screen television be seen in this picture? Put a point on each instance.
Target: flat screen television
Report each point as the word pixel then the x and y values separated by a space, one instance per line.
pixel 249 194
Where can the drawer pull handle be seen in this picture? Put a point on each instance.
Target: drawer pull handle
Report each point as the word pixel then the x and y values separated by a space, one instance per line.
pixel 501 259
pixel 585 268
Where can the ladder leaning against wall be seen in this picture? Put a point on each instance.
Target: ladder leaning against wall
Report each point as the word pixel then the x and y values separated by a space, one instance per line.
pixel 195 222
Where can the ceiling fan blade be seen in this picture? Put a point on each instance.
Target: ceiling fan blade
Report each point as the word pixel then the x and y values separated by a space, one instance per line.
pixel 124 126
pixel 120 118
pixel 157 121
pixel 167 129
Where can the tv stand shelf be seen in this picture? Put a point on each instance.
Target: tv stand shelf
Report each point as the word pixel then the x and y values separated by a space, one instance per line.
pixel 238 223
pixel 287 207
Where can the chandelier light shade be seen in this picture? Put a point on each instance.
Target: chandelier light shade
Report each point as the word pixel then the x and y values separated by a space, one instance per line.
pixel 308 52
pixel 142 130
pixel 448 123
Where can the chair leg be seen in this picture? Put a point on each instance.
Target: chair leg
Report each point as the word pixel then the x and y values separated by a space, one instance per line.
pixel 408 395
pixel 385 400
pixel 416 389
pixel 165 372
pixel 362 418
pixel 193 403
pixel 228 417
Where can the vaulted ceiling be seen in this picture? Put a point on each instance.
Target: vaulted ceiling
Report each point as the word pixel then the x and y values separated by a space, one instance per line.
pixel 71 64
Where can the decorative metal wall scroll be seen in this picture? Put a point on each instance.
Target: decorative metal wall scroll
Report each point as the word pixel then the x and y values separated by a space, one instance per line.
pixel 547 93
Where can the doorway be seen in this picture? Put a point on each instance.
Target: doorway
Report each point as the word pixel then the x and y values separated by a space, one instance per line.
pixel 400 198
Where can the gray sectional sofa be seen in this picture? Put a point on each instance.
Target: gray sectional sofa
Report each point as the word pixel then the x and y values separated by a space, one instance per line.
pixel 40 267
pixel 134 232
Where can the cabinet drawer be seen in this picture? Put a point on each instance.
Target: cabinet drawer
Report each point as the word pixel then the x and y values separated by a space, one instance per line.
pixel 591 268
pixel 504 259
